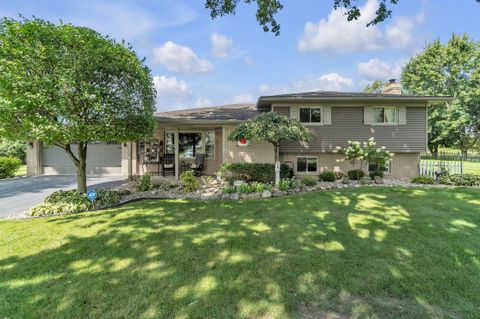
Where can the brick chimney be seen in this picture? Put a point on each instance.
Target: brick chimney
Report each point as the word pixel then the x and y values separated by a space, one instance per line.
pixel 393 87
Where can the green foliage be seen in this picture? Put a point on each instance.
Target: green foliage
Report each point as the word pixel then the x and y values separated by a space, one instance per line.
pixel 8 166
pixel 339 174
pixel 260 172
pixel 328 176
pixel 355 174
pixel 423 179
pixel 309 181
pixel 360 153
pixel 190 182
pixel 461 180
pixel 267 9
pixel 229 190
pixel 65 202
pixel 376 173
pixel 246 188
pixel 62 84
pixel 141 183
pixel 13 149
pixel 287 183
pixel 451 69
pixel 376 86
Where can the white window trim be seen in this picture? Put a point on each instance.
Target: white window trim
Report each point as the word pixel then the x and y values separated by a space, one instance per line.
pixel 204 139
pixel 306 172
pixel 214 145
pixel 395 123
pixel 311 107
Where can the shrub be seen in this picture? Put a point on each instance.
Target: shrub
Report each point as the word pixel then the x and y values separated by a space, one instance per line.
pixel 328 176
pixel 8 166
pixel 376 173
pixel 339 174
pixel 365 180
pixel 461 180
pixel 190 182
pixel 245 188
pixel 63 202
pixel 229 190
pixel 287 183
pixel 309 181
pixel 422 179
pixel 355 174
pixel 259 172
pixel 260 187
pixel 141 183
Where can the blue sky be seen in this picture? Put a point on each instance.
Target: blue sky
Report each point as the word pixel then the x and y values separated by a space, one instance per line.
pixel 197 61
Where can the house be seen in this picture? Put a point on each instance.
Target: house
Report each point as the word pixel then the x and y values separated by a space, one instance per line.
pixel 396 121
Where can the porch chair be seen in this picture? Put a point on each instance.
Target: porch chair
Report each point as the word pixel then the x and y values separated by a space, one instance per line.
pixel 168 164
pixel 197 167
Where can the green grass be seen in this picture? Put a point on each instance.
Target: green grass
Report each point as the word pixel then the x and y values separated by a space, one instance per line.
pixel 362 253
pixel 21 171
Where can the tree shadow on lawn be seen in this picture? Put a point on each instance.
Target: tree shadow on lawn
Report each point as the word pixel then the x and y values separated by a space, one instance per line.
pixel 386 253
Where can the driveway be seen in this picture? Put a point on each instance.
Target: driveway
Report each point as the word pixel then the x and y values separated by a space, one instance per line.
pixel 17 195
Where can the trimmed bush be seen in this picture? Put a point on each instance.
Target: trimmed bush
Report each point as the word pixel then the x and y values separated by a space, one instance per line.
pixel 355 174
pixel 8 166
pixel 64 202
pixel 259 172
pixel 461 180
pixel 141 183
pixel 422 179
pixel 190 182
pixel 339 174
pixel 376 173
pixel 328 176
pixel 309 181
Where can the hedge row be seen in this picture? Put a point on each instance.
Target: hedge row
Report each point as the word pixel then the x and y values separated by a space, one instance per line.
pixel 260 172
pixel 8 166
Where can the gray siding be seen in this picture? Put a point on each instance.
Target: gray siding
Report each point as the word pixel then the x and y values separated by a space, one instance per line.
pixel 347 124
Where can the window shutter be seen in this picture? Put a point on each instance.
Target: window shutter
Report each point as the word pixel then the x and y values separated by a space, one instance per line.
pixel 327 115
pixel 367 115
pixel 402 115
pixel 294 113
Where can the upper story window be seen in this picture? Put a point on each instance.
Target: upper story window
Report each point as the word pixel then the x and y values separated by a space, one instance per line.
pixel 384 115
pixel 310 114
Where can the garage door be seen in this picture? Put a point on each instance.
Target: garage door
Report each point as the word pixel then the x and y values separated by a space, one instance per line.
pixel 102 159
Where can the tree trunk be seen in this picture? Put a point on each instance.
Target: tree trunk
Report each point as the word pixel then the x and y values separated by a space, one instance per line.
pixel 434 151
pixel 81 168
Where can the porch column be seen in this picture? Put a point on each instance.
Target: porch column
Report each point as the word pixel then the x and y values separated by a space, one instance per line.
pixel 175 138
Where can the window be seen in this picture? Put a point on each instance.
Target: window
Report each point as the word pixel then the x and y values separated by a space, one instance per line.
pixel 210 144
pixel 189 144
pixel 384 115
pixel 375 166
pixel 306 164
pixel 170 143
pixel 310 114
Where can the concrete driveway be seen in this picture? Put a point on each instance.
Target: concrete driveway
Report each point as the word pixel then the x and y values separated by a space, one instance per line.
pixel 17 195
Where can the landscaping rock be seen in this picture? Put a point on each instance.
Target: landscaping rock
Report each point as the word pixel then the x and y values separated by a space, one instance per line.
pixel 378 180
pixel 277 193
pixel 365 180
pixel 291 192
pixel 266 194
pixel 345 180
pixel 234 196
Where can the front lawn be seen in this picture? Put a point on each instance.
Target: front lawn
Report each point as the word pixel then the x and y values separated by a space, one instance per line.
pixel 360 252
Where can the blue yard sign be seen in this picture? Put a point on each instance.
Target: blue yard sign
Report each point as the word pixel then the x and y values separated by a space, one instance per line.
pixel 92 195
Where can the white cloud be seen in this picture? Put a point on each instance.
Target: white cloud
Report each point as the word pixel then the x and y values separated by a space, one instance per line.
pixel 180 59
pixel 242 98
pixel 263 88
pixel 326 82
pixel 336 34
pixel 376 69
pixel 221 45
pixel 172 93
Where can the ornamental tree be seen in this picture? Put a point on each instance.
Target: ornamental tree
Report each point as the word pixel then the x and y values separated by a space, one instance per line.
pixel 273 128
pixel 357 153
pixel 63 85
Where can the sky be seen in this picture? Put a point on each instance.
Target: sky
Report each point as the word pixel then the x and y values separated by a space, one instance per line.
pixel 196 61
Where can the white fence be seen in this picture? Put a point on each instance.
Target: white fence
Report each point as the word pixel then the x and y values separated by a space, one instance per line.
pixel 429 167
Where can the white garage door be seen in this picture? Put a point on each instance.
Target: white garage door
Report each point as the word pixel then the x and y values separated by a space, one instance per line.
pixel 102 159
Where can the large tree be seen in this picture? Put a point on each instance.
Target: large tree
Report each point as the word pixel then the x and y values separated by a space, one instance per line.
pixel 273 128
pixel 63 85
pixel 448 69
pixel 377 86
pixel 267 9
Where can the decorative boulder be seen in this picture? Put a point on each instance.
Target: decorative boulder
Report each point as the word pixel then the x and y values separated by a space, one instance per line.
pixel 378 180
pixel 277 193
pixel 365 180
pixel 234 196
pixel 266 194
pixel 345 180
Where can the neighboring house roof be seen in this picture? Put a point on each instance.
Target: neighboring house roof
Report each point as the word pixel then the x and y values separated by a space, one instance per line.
pixel 228 113
pixel 265 101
